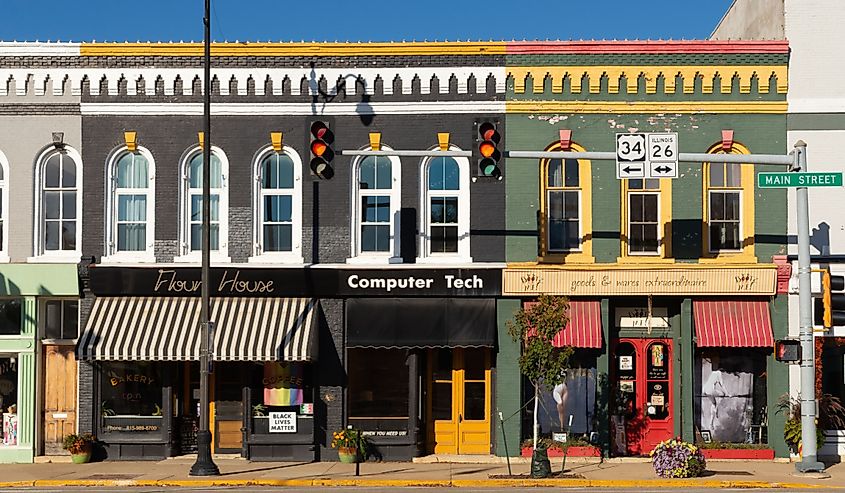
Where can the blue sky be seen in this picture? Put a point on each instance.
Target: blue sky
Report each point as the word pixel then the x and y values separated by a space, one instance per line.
pixel 371 20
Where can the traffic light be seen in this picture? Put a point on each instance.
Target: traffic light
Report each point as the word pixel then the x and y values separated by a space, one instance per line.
pixel 788 350
pixel 488 150
pixel 322 153
pixel 831 306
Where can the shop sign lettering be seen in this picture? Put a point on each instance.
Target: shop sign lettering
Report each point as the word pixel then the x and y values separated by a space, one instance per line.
pixel 132 428
pixel 283 422
pixel 355 281
pixel 385 433
pixel 231 283
pixel 115 379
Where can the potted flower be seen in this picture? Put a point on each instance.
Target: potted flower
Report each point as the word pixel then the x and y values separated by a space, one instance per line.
pixel 676 458
pixel 350 445
pixel 79 446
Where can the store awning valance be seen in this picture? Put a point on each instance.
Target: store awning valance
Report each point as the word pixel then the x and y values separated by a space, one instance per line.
pixel 161 329
pixel 420 323
pixel 732 323
pixel 584 327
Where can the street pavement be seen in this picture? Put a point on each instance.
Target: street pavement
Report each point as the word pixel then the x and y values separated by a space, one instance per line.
pixel 434 473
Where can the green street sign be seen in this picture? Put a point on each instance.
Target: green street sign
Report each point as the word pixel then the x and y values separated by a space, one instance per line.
pixel 792 180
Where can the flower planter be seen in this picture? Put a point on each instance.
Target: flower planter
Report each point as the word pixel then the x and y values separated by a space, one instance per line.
pixel 739 453
pixel 347 455
pixel 82 457
pixel 574 451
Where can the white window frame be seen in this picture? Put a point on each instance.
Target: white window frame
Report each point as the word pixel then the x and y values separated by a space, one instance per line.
pixel 4 186
pixel 186 255
pixel 259 255
pixel 394 255
pixel 111 255
pixel 40 254
pixel 649 191
pixel 463 193
pixel 42 317
pixel 710 191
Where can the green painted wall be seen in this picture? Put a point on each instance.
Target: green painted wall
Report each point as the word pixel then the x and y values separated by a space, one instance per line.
pixel 39 280
pixel 508 384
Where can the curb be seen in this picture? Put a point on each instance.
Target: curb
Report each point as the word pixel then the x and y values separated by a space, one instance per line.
pixel 397 483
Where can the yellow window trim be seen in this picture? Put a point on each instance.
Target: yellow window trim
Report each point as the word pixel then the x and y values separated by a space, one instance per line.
pixel 664 254
pixel 585 255
pixel 746 255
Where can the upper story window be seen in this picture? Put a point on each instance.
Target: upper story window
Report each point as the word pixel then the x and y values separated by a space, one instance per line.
pixel 4 208
pixel 60 319
pixel 445 209
pixel 728 206
pixel 192 206
pixel 566 222
pixel 278 206
pixel 375 211
pixel 647 217
pixel 58 202
pixel 130 206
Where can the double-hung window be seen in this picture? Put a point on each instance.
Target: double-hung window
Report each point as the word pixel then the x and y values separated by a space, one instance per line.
pixel 563 205
pixel 644 217
pixel 445 233
pixel 278 207
pixel 131 207
pixel 728 207
pixel 192 205
pixel 376 209
pixel 59 195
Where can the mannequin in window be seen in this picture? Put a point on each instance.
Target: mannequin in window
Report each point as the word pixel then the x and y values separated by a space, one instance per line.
pixel 560 394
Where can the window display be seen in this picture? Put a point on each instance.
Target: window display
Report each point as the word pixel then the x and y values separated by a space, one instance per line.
pixel 131 396
pixel 9 400
pixel 568 406
pixel 378 389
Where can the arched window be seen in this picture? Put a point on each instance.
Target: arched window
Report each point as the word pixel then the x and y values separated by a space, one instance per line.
pixel 130 206
pixel 566 208
pixel 191 205
pixel 4 208
pixel 58 202
pixel 375 209
pixel 445 209
pixel 728 206
pixel 278 206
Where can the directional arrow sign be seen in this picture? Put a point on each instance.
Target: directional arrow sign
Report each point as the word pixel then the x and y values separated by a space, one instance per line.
pixel 663 170
pixel 630 170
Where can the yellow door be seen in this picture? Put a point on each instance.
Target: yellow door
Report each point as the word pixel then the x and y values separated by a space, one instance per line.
pixel 459 401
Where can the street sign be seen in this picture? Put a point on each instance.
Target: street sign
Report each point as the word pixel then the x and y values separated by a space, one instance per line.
pixel 795 179
pixel 662 155
pixel 630 155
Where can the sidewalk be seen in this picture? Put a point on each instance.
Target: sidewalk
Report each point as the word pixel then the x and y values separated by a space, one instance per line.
pixel 613 473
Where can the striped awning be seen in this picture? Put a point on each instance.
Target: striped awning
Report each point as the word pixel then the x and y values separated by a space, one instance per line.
pixel 584 327
pixel 164 329
pixel 732 323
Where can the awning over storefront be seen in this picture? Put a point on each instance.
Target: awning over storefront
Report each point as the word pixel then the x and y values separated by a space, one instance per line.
pixel 158 328
pixel 420 323
pixel 732 323
pixel 584 327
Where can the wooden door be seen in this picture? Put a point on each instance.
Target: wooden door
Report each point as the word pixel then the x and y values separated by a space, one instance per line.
pixel 643 369
pixel 459 401
pixel 59 399
pixel 227 411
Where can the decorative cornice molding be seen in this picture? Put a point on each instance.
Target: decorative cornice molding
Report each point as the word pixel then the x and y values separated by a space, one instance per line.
pixel 15 48
pixel 648 46
pixel 661 107
pixel 296 109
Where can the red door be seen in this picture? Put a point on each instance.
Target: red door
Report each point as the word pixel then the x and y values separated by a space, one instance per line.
pixel 643 369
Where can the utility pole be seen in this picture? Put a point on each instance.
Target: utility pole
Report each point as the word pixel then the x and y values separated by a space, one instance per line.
pixel 205 466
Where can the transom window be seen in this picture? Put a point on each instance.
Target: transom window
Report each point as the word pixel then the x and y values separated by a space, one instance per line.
pixel 644 216
pixel 132 209
pixel 563 205
pixel 445 208
pixel 192 205
pixel 59 183
pixel 61 319
pixel 724 205
pixel 376 209
pixel 278 218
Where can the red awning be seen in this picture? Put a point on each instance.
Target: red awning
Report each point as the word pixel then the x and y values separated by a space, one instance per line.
pixel 730 323
pixel 584 327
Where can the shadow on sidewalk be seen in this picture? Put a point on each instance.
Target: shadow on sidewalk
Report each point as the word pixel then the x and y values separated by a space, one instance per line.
pixel 708 473
pixel 261 469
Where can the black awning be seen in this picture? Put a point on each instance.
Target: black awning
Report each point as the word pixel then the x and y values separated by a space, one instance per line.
pixel 420 323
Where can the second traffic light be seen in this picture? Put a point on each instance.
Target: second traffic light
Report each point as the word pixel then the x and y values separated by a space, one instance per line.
pixel 488 150
pixel 322 153
pixel 832 303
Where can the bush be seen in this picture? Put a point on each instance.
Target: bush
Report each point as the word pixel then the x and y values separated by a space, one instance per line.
pixel 677 459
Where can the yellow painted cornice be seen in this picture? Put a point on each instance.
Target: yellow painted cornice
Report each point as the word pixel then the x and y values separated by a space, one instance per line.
pixel 737 107
pixel 292 49
pixel 635 266
pixel 689 73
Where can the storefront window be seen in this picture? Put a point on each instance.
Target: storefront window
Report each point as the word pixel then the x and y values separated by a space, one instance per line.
pixel 281 393
pixel 9 399
pixel 131 396
pixel 731 395
pixel 10 317
pixel 378 390
pixel 568 406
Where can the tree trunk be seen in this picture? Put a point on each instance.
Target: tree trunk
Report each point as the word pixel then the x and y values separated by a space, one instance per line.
pixel 536 418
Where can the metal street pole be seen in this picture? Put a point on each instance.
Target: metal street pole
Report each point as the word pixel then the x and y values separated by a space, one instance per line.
pixel 809 460
pixel 205 466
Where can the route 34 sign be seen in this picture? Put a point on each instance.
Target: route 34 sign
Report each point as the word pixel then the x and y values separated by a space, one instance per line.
pixel 630 155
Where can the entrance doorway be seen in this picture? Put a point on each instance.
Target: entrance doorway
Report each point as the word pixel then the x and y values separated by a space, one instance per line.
pixel 458 403
pixel 59 400
pixel 643 375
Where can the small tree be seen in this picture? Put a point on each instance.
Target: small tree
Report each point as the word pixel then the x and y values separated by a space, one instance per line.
pixel 535 327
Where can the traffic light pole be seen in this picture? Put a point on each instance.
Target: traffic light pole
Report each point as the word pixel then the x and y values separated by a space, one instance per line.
pixel 809 453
